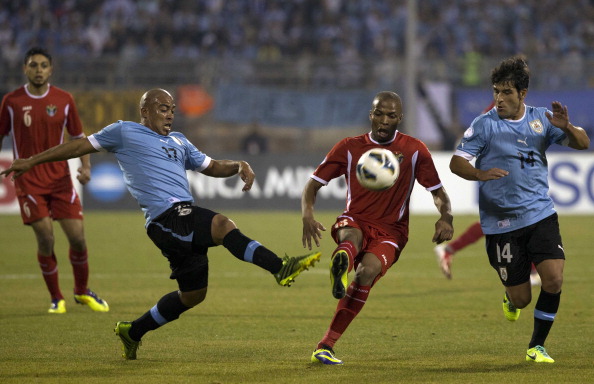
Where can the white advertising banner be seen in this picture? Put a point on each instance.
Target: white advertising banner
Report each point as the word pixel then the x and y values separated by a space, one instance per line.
pixel 280 180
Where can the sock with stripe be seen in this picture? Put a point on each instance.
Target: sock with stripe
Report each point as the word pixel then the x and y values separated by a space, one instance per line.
pixel 545 311
pixel 251 251
pixel 168 308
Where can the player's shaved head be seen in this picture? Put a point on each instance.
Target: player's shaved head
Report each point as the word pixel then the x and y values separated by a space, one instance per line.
pixel 152 96
pixel 387 96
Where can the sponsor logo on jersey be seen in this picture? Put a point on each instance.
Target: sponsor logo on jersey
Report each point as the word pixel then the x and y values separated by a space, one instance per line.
pixel 51 110
pixel 536 125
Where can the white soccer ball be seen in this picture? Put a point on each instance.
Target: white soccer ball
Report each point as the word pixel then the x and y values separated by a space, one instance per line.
pixel 378 169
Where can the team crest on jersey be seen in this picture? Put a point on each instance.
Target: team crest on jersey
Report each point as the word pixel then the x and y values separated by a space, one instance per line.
pixel 503 273
pixel 399 157
pixel 536 125
pixel 51 110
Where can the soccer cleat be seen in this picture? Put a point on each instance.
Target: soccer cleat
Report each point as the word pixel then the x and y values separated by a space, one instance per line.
pixel 129 346
pixel 93 301
pixel 58 306
pixel 326 356
pixel 444 260
pixel 538 354
pixel 293 266
pixel 509 310
pixel 339 269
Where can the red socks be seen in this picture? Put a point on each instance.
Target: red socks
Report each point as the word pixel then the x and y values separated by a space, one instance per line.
pixel 80 269
pixel 350 249
pixel 49 270
pixel 471 235
pixel 348 308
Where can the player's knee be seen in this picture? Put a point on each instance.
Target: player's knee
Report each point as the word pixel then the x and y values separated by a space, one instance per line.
pixel 78 243
pixel 45 243
pixel 366 274
pixel 193 298
pixel 221 225
pixel 552 284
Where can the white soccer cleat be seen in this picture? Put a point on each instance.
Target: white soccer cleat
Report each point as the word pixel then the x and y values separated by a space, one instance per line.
pixel 444 260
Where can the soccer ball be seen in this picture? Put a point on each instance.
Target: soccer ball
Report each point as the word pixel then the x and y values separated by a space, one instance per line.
pixel 377 169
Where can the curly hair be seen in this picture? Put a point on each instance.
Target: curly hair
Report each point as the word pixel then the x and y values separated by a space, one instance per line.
pixel 514 71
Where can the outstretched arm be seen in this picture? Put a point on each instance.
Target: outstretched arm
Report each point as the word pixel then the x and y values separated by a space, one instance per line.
pixel 444 227
pixel 227 168
pixel 311 227
pixel 69 150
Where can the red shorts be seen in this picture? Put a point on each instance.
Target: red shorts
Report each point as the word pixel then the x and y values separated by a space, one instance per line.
pixel 58 205
pixel 384 246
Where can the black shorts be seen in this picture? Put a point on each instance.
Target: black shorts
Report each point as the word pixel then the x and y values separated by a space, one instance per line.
pixel 183 234
pixel 512 253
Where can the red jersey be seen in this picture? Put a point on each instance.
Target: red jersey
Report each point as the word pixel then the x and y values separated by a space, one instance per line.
pixel 38 123
pixel 386 210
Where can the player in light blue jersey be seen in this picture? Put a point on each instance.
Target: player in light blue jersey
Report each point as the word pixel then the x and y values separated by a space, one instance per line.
pixel 517 215
pixel 154 161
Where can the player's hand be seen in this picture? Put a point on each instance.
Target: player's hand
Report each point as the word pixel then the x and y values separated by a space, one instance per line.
pixel 84 175
pixel 18 167
pixel 311 229
pixel 492 174
pixel 444 231
pixel 560 116
pixel 247 175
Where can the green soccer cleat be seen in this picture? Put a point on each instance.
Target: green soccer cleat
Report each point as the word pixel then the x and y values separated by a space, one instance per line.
pixel 129 346
pixel 538 354
pixel 293 266
pixel 93 301
pixel 325 355
pixel 511 313
pixel 58 306
pixel 339 269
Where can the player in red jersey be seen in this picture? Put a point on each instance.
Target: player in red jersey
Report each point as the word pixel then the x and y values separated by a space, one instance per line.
pixel 373 229
pixel 37 115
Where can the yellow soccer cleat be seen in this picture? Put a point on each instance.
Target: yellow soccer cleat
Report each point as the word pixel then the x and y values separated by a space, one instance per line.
pixel 339 269
pixel 511 313
pixel 93 301
pixel 538 354
pixel 129 346
pixel 326 356
pixel 58 306
pixel 293 266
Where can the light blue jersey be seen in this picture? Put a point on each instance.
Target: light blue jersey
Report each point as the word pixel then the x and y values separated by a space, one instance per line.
pixel 517 146
pixel 154 166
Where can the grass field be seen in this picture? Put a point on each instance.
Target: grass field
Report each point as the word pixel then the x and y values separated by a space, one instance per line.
pixel 417 327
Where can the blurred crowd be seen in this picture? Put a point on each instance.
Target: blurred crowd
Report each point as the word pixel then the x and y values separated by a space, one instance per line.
pixel 267 30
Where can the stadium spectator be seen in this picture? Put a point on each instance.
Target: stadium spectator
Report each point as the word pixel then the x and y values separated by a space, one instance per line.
pixel 373 230
pixel 154 160
pixel 517 214
pixel 37 115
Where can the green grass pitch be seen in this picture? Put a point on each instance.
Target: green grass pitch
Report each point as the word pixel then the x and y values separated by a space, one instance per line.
pixel 417 327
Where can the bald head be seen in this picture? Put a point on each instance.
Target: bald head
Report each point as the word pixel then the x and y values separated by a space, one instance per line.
pixel 387 96
pixel 152 96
